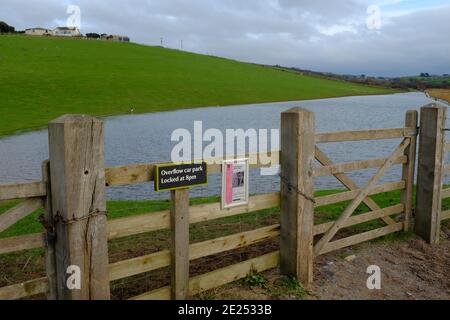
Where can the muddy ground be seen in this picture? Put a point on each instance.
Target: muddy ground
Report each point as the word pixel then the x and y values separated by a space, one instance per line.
pixel 411 270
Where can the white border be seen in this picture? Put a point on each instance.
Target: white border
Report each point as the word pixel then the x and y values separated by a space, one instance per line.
pixel 224 179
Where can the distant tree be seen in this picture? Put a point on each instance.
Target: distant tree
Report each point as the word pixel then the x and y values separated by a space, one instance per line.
pixel 424 75
pixel 6 28
pixel 92 35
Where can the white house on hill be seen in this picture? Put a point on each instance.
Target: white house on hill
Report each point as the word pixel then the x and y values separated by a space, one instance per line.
pixel 67 32
pixel 38 32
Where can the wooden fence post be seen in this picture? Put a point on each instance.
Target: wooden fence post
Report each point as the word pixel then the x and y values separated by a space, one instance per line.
pixel 79 207
pixel 297 193
pixel 430 182
pixel 409 169
pixel 179 219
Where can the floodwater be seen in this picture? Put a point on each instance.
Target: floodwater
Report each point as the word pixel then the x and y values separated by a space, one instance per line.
pixel 146 138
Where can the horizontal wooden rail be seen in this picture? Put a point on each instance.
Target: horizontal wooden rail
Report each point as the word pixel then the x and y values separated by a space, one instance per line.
pixel 141 173
pixel 23 190
pixel 363 237
pixel 354 166
pixel 447 148
pixel 377 134
pixel 143 223
pixel 366 217
pixel 24 290
pixel 349 195
pixel 13 244
pixel 446 193
pixel 219 277
pixel 130 174
pixel 445 215
pixel 13 215
pixel 131 267
pixel 446 170
pixel 124 227
pixel 129 226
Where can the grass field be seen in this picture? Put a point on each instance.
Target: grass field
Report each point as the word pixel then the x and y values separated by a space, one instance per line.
pixel 433 80
pixel 43 78
pixel 443 94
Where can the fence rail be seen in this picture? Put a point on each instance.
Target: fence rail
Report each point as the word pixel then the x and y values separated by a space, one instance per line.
pixel 24 290
pixel 21 191
pixel 131 267
pixel 349 195
pixel 363 237
pixel 27 242
pixel 378 134
pixel 141 173
pixel 219 277
pixel 355 166
pixel 359 219
pixel 124 227
pixel 12 216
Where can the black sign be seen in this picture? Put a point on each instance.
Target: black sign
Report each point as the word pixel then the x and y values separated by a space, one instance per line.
pixel 174 177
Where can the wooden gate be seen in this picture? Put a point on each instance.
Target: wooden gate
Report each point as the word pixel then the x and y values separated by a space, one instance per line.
pixel 300 146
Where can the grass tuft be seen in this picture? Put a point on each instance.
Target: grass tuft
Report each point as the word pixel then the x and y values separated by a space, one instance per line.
pixel 289 287
pixel 255 279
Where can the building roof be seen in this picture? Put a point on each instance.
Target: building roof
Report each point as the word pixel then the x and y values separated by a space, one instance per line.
pixel 66 28
pixel 38 28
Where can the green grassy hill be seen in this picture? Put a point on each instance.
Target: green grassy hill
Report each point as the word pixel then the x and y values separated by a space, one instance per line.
pixel 43 78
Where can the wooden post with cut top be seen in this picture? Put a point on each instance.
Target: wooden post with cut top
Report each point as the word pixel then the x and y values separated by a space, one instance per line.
pixel 297 194
pixel 430 172
pixel 79 207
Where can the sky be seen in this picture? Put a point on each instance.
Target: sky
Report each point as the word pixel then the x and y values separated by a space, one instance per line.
pixel 371 37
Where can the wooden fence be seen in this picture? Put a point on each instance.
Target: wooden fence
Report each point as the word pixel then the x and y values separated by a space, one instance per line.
pixel 72 193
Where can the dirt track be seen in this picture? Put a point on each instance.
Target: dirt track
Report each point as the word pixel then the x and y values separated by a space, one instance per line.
pixel 411 270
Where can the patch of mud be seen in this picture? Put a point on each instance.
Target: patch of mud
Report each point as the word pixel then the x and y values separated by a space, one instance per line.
pixel 410 270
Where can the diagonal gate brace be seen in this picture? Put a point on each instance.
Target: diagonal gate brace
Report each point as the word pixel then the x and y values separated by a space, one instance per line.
pixel 360 198
pixel 348 183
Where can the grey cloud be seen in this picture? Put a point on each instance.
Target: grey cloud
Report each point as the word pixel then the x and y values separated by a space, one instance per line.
pixel 287 32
